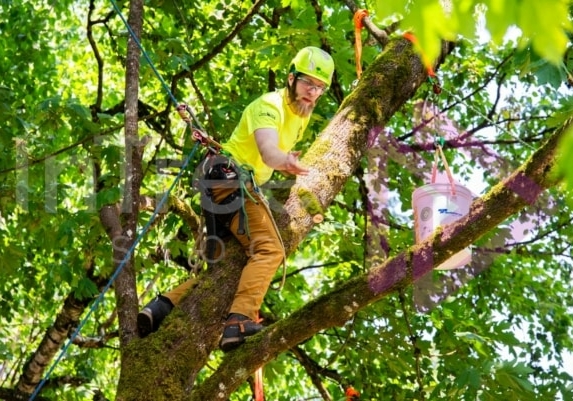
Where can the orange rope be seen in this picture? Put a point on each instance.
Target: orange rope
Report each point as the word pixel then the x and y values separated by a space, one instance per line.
pixel 259 390
pixel 358 17
pixel 440 152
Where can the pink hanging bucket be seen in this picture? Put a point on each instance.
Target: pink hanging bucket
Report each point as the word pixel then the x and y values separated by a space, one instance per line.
pixel 438 204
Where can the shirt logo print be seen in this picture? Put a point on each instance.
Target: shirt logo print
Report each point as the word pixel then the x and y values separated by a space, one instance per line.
pixel 267 114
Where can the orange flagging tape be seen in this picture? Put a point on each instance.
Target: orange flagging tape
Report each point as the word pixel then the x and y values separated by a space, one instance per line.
pixel 358 17
pixel 351 394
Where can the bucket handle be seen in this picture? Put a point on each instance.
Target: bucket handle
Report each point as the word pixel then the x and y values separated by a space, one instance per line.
pixel 446 166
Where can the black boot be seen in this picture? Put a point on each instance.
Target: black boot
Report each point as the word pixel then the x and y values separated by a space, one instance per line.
pixel 237 328
pixel 149 319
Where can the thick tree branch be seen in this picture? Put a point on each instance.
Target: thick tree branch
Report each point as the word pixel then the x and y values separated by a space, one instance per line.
pixel 66 321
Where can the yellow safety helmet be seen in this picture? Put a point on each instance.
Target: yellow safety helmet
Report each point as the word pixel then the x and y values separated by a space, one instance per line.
pixel 314 62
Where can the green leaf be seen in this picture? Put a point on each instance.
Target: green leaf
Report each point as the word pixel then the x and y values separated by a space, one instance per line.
pixel 513 376
pixel 469 378
pixel 480 343
pixel 552 18
pixel 429 23
pixel 551 74
pixel 565 169
pixel 86 289
pixel 385 9
pixel 500 15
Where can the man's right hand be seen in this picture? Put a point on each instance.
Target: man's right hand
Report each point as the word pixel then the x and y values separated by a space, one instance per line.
pixel 293 166
pixel 267 141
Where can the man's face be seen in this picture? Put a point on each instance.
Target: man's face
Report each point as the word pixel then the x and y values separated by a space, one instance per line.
pixel 304 91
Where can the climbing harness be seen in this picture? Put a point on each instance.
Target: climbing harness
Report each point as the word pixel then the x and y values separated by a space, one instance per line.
pixel 221 172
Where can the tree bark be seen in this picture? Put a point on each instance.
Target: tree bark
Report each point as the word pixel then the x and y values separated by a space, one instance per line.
pixel 125 284
pixel 55 337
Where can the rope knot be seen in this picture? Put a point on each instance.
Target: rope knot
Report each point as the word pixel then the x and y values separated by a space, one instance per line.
pixel 182 110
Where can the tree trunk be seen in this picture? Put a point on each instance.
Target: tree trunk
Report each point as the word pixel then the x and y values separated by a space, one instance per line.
pixel 125 284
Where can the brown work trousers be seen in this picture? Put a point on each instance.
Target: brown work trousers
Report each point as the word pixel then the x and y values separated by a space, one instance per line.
pixel 263 247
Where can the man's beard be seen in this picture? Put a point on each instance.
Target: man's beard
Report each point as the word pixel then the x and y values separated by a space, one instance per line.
pixel 299 107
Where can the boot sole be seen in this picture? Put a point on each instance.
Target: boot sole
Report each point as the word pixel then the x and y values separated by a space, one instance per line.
pixel 229 344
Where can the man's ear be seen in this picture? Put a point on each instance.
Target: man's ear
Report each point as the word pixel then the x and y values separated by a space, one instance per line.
pixel 290 78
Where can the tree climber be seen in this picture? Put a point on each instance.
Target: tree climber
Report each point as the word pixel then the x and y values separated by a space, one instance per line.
pixel 231 200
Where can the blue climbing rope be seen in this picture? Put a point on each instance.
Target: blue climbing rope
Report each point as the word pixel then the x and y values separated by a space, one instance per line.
pixel 152 66
pixel 200 140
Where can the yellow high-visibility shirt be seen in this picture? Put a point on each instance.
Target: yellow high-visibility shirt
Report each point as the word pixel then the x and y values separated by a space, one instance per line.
pixel 271 110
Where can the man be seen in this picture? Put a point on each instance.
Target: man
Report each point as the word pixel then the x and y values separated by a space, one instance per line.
pixel 262 141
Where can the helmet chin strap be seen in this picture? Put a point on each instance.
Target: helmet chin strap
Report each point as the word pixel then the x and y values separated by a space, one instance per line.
pixel 291 88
